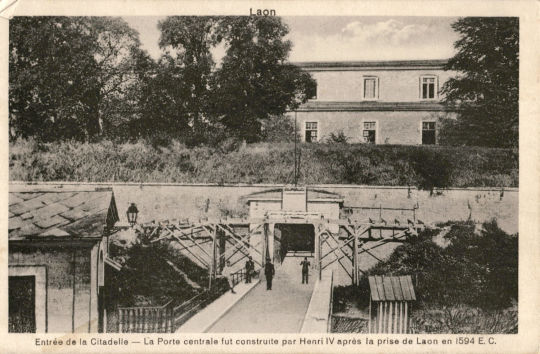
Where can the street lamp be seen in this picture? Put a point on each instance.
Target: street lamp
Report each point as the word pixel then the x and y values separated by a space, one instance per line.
pixel 132 214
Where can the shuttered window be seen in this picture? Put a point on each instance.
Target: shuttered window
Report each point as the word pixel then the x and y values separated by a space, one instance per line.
pixel 371 88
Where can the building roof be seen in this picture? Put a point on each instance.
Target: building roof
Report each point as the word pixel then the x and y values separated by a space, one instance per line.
pixel 62 214
pixel 338 106
pixel 313 195
pixel 373 65
pixel 391 288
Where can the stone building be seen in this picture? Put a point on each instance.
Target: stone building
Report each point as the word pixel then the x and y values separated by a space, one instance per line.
pixel 378 102
pixel 58 258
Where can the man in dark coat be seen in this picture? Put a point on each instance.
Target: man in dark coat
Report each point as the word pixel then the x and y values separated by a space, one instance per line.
pixel 305 270
pixel 269 272
pixel 250 267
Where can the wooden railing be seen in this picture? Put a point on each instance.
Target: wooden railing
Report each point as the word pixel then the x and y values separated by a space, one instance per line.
pixel 168 318
pixel 162 319
pixel 155 319
pixel 238 276
pixel 185 310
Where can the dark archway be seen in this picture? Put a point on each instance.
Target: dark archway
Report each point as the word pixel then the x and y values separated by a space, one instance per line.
pixel 298 238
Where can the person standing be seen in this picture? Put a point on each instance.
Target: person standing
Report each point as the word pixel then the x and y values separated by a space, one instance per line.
pixel 269 272
pixel 250 267
pixel 305 270
pixel 227 273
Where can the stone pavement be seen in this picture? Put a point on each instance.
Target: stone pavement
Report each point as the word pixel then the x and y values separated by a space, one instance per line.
pixel 280 310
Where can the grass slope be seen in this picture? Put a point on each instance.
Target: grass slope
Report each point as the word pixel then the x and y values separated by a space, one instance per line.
pixel 265 163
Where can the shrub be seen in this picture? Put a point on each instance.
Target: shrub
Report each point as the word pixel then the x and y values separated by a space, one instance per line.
pixel 464 319
pixel 338 137
pixel 479 270
pixel 432 169
pixel 232 162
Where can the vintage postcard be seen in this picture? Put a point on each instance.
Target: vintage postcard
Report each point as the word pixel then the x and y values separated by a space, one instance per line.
pixel 294 176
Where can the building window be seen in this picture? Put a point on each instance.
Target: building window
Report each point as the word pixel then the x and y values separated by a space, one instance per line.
pixel 369 132
pixel 428 87
pixel 428 133
pixel 312 132
pixel 371 88
pixel 312 92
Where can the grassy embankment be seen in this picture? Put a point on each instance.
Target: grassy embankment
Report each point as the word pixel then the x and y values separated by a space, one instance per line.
pixel 264 163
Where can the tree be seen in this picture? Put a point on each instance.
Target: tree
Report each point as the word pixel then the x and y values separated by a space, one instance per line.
pixel 486 88
pixel 68 75
pixel 188 41
pixel 254 81
pixel 118 59
pixel 50 73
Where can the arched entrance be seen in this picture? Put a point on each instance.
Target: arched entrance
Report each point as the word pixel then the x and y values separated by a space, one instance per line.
pixel 297 239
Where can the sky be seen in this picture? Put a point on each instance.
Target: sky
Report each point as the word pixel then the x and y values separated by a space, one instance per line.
pixel 340 38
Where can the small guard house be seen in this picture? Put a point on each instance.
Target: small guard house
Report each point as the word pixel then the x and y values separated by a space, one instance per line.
pixel 390 303
pixel 57 258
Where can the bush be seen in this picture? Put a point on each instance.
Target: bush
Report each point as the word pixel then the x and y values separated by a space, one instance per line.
pixel 148 280
pixel 464 319
pixel 337 138
pixel 476 269
pixel 279 129
pixel 231 162
pixel 432 170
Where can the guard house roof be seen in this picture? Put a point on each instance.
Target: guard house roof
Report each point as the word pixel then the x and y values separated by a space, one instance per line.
pixel 57 215
pixel 391 288
pixel 313 195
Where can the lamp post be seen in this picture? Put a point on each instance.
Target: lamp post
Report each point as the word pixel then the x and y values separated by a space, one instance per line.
pixel 132 213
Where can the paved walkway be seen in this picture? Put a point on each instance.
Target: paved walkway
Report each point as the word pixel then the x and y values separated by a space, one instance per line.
pixel 280 310
pixel 207 316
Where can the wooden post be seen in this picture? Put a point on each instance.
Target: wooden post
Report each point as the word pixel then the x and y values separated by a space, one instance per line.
pixel 380 317
pixel 406 319
pixel 396 316
pixel 369 322
pixel 390 306
pixel 318 251
pixel 383 317
pixel 265 244
pixel 270 245
pixel 212 273
pixel 355 259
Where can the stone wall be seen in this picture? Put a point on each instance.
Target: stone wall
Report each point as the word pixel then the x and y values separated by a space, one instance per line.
pixel 167 202
pixel 162 202
pixel 59 290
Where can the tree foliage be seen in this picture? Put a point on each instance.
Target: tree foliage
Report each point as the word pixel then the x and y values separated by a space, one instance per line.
pixel 486 89
pixel 478 268
pixel 68 76
pixel 84 78
pixel 254 81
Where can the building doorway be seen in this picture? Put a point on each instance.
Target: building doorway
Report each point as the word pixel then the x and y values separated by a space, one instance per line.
pixel 298 239
pixel 22 304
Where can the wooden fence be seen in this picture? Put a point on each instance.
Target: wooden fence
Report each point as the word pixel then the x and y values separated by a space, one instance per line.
pixel 168 318
pixel 154 319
